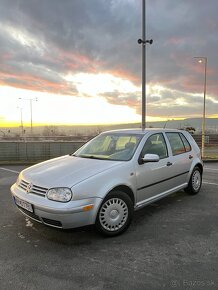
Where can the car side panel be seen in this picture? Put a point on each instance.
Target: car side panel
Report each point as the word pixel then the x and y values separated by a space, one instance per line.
pixel 153 178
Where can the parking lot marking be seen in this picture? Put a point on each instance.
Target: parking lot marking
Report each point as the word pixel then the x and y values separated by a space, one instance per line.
pixel 207 168
pixel 210 183
pixel 5 169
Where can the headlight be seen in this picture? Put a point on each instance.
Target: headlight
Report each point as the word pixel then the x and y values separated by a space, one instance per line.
pixel 62 194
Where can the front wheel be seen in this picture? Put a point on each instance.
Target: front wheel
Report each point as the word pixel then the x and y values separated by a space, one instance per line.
pixel 195 182
pixel 115 214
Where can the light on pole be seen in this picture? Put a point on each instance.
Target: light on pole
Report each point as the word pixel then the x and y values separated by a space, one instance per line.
pixel 203 59
pixel 143 41
pixel 31 111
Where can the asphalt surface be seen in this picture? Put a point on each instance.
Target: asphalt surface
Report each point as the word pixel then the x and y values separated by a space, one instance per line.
pixel 172 244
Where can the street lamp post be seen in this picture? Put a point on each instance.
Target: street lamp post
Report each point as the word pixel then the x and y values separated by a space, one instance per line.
pixel 143 41
pixel 31 111
pixel 202 59
pixel 21 121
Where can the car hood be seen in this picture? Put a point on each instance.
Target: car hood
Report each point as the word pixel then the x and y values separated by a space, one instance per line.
pixel 65 171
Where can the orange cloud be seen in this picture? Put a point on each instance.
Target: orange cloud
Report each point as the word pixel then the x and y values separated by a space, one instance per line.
pixel 176 40
pixel 35 83
pixel 77 61
pixel 124 75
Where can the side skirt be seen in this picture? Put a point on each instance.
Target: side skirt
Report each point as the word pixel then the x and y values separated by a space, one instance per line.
pixel 145 202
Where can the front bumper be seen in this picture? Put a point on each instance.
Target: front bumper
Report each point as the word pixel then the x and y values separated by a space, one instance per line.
pixel 61 215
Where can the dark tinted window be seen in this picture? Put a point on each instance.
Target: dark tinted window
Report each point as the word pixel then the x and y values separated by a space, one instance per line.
pixel 155 144
pixel 176 143
pixel 186 143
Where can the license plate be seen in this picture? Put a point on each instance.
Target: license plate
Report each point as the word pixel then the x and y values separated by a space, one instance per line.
pixel 23 204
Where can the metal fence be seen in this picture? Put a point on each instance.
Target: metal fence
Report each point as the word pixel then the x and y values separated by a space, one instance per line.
pixel 35 151
pixel 210 140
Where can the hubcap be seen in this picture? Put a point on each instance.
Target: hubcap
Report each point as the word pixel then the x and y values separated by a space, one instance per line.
pixel 113 214
pixel 196 180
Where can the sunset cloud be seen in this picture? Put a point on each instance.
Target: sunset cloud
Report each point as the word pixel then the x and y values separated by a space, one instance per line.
pixel 89 49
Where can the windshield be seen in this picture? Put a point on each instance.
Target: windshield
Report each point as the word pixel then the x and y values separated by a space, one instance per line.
pixel 113 146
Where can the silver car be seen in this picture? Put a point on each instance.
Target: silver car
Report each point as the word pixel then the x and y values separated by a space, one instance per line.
pixel 108 178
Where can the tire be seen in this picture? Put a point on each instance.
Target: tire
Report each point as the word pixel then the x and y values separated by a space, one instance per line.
pixel 115 214
pixel 195 182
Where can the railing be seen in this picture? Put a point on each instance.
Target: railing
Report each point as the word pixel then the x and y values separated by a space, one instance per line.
pixel 210 140
pixel 35 151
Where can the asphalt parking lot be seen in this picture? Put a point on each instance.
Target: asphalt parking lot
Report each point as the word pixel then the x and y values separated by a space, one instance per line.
pixel 172 244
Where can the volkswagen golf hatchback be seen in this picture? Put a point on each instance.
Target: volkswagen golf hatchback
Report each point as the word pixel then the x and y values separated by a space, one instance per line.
pixel 108 178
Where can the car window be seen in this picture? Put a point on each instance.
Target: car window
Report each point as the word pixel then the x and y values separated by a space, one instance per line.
pixel 155 144
pixel 125 141
pixel 110 147
pixel 176 143
pixel 186 143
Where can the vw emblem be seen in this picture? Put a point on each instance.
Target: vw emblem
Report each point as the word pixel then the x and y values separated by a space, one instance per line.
pixel 29 188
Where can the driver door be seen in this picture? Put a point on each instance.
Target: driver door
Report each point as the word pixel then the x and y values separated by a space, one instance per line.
pixel 154 177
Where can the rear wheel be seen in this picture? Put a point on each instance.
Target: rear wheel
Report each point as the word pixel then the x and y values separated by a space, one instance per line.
pixel 195 182
pixel 115 213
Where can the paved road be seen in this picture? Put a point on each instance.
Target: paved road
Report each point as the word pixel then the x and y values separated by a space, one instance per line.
pixel 172 244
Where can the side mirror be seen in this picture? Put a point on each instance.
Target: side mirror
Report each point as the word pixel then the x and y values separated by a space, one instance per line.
pixel 150 158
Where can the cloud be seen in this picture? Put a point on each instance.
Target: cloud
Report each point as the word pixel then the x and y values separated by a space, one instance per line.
pixel 41 43
pixel 165 102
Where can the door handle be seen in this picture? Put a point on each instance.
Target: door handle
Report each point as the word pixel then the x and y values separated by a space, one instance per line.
pixel 169 163
pixel 190 157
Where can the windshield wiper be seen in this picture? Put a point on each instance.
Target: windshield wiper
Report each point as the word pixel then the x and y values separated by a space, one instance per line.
pixel 88 156
pixel 92 157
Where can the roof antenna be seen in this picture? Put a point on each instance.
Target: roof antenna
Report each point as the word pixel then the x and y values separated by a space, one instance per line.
pixel 165 124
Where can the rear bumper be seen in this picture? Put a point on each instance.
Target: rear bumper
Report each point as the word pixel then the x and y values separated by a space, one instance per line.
pixel 56 214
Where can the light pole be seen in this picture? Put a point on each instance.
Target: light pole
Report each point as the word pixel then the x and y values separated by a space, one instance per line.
pixel 143 41
pixel 21 121
pixel 31 111
pixel 203 59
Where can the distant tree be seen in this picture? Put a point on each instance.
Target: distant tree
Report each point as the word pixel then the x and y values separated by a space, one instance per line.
pixel 50 131
pixel 190 129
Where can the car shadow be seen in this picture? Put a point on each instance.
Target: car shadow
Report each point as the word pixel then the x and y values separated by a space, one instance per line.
pixel 158 206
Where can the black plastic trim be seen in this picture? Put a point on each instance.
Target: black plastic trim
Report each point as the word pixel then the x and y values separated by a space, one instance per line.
pixel 155 183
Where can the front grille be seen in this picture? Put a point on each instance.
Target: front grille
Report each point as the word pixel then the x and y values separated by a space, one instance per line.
pixel 32 188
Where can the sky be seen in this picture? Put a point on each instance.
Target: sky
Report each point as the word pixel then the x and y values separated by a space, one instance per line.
pixel 80 63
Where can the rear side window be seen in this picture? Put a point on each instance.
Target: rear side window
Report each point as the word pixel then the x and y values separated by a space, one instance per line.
pixel 186 143
pixel 176 143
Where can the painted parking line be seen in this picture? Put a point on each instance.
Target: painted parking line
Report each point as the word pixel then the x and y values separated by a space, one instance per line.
pixel 213 169
pixel 210 183
pixel 9 170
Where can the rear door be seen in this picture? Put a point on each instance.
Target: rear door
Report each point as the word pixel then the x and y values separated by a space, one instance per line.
pixel 181 157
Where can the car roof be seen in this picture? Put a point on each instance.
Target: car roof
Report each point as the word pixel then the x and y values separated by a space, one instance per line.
pixel 139 131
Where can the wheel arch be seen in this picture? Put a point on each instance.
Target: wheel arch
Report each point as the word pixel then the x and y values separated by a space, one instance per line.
pixel 200 166
pixel 127 190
